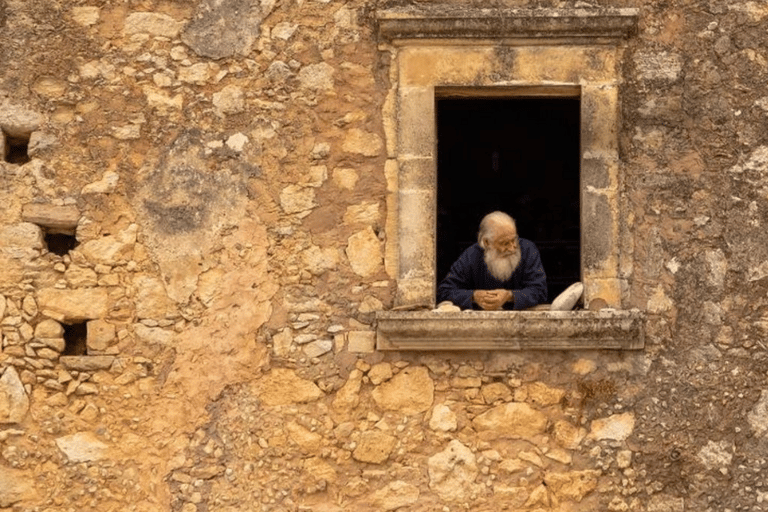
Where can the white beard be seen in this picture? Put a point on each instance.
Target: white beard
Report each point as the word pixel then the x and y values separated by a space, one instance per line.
pixel 501 267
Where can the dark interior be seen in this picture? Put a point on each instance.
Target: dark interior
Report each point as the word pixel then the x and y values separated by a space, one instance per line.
pixel 60 243
pixel 517 155
pixel 75 339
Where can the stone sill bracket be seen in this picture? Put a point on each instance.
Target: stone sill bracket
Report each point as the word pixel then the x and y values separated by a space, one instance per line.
pixel 594 25
pixel 503 330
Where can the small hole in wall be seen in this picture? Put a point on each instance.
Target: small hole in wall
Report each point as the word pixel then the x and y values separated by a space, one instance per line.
pixel 60 243
pixel 16 150
pixel 75 339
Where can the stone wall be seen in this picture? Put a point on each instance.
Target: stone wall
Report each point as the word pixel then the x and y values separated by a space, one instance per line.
pixel 224 168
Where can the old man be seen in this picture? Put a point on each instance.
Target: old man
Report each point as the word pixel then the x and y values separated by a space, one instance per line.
pixel 500 271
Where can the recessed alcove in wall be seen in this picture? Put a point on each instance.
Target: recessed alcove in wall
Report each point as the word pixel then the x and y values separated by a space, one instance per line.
pixel 16 149
pixel 75 339
pixel 59 243
pixel 57 222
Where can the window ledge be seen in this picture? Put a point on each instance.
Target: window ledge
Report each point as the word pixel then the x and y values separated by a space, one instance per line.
pixel 504 330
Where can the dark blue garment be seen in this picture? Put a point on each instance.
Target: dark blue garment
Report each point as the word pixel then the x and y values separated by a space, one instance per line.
pixel 528 282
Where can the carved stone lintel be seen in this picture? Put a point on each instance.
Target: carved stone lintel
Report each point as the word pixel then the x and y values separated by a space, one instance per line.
pixel 511 330
pixel 454 22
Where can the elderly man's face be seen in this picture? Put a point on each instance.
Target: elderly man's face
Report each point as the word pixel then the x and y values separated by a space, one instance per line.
pixel 505 243
pixel 502 255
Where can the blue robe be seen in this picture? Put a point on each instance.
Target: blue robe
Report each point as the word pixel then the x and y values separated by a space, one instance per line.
pixel 528 282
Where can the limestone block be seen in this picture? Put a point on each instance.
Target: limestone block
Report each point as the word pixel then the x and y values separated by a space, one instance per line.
pixel 572 485
pixel 107 183
pixel 317 76
pixel 151 298
pixel 310 442
pixel 161 101
pixel 29 306
pixel 85 16
pixel 617 427
pixel 717 456
pixel 345 178
pixel 361 341
pixel 599 111
pixel 318 347
pixel 110 249
pixel 21 240
pixel 662 66
pixel 665 503
pixel 49 329
pixel 540 394
pixel 496 391
pixel 425 66
pixel 367 212
pixel 3 305
pixel 374 447
pixel 80 277
pixel 510 420
pixel 230 100
pixel 297 199
pixel 568 299
pixel 364 252
pixel 568 435
pixel 100 335
pixel 348 395
pixel 17 486
pixel 19 121
pixel 70 306
pixel 14 402
pixel 281 343
pixel 416 123
pixel 318 260
pixel 379 373
pixel 284 30
pixel 282 387
pixel 443 419
pixel 411 391
pixel 608 290
pixel 453 471
pixel 320 469
pixel 153 24
pixel 363 143
pixel 395 495
pixel 87 363
pixel 224 28
pixel 153 335
pixel 758 416
pixel 82 447
pixel 57 344
pixel 62 218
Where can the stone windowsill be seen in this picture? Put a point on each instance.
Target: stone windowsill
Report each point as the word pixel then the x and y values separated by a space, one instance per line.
pixel 510 330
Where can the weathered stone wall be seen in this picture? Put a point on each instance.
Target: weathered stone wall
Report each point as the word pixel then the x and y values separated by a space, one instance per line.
pixel 224 168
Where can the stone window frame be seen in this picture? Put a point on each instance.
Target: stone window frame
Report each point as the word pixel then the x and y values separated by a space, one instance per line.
pixel 459 51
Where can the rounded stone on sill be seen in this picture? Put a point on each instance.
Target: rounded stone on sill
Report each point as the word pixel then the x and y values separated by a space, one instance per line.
pixel 568 299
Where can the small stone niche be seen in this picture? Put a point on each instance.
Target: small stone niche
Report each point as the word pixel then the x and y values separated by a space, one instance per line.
pixel 58 223
pixel 75 339
pixel 16 150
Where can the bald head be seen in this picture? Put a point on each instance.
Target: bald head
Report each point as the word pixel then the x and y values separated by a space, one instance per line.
pixel 493 225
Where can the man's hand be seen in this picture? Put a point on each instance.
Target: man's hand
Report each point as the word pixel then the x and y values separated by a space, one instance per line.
pixel 491 300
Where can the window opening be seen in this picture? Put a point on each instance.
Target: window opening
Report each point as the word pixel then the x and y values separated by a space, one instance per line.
pixel 75 339
pixel 520 155
pixel 59 243
pixel 16 150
